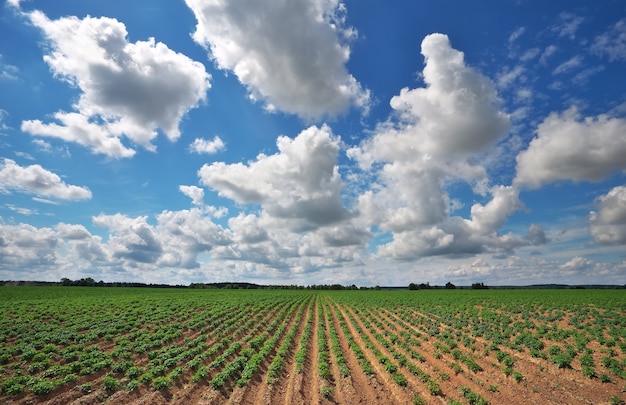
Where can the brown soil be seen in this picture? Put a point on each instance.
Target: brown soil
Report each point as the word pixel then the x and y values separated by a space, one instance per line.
pixel 543 382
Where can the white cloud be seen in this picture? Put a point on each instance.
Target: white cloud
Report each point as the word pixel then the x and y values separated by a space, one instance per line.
pixel 530 54
pixel 195 193
pixel 76 127
pixel 24 245
pixel 509 76
pixel 516 34
pixel 548 52
pixel 570 148
pixel 442 128
pixel 21 210
pixel 290 55
pixel 568 25
pixel 3 116
pixel 127 89
pixel 455 236
pixel 576 264
pixel 185 234
pixel 7 71
pixel 612 43
pixel 14 3
pixel 201 145
pixel 72 231
pixel 568 65
pixel 131 239
pixel 608 224
pixel 456 114
pixel 583 76
pixel 34 179
pixel 298 188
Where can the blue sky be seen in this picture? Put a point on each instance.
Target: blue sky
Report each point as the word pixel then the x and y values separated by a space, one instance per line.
pixel 313 141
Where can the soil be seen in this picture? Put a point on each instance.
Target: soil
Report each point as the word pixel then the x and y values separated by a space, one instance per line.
pixel 542 383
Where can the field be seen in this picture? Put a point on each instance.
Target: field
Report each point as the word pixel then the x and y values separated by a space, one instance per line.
pixel 84 345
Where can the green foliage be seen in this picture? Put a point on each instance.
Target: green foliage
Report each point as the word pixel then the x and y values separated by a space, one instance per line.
pixel 110 384
pixel 417 400
pixel 473 398
pixel 589 372
pixel 43 387
pixel 433 387
pixel 605 378
pixel 161 383
pixel 399 379
pixel 55 337
pixel 326 390
pixel 615 400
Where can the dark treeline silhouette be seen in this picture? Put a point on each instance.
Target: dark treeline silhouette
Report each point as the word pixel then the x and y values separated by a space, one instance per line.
pixel 427 286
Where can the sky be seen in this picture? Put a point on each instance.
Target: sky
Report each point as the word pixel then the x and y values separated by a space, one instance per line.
pixel 313 141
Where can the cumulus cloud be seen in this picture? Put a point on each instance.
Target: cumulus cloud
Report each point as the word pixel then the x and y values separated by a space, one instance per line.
pixel 78 128
pixel 24 245
pixel 431 141
pixel 456 236
pixel 455 115
pixel 195 193
pixel 210 147
pixel 290 55
pixel 131 239
pixel 298 188
pixel 72 231
pixel 576 264
pixel 186 233
pixel 612 42
pixel 127 89
pixel 34 179
pixel 608 224
pixel 570 148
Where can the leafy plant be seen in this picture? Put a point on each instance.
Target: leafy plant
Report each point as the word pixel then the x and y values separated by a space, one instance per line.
pixel 110 384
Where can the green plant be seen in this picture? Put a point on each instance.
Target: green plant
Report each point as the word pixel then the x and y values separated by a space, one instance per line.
pixel 132 385
pixel 589 372
pixel 326 390
pixel 110 384
pixel 399 379
pixel 417 400
pixel 161 383
pixel 433 387
pixel 492 388
pixel 605 378
pixel 517 376
pixel 43 388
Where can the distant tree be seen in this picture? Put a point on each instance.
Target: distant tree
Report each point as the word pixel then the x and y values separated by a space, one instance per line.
pixel 66 281
pixel 413 286
pixel 450 286
pixel 479 286
pixel 424 286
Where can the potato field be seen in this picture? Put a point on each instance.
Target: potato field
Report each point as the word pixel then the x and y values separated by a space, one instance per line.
pixel 81 345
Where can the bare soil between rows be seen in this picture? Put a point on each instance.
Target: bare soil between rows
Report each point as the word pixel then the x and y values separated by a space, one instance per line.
pixel 542 384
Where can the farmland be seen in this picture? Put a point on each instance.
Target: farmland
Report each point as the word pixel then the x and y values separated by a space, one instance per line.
pixel 85 345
